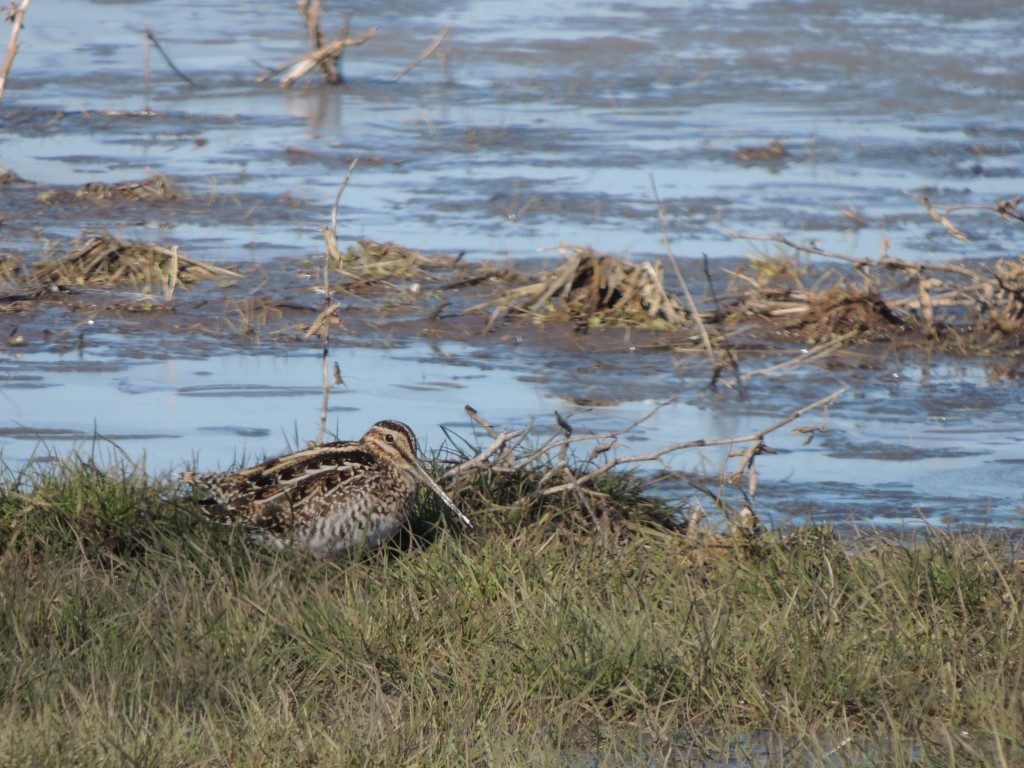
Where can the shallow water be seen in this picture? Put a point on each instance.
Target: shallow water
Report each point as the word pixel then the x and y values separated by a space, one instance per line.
pixel 546 125
pixel 905 446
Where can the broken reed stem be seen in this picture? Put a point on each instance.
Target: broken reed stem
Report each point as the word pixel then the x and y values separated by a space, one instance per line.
pixel 679 274
pixel 310 10
pixel 426 53
pixel 17 19
pixel 172 278
pixel 812 355
pixel 145 71
pixel 730 356
pixel 500 441
pixel 339 60
pixel 329 51
pixel 330 308
pixel 341 190
pixel 940 217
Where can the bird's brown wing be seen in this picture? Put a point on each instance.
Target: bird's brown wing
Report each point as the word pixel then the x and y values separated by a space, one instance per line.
pixel 286 492
pixel 237 486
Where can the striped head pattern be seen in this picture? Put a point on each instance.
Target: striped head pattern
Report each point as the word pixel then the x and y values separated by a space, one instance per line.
pixel 393 441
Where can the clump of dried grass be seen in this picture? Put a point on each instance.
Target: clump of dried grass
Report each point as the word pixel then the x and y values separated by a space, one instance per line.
pixel 773 151
pixel 107 260
pixel 370 265
pixel 373 259
pixel 840 310
pixel 972 305
pixel 9 267
pixel 596 288
pixel 1003 297
pixel 154 189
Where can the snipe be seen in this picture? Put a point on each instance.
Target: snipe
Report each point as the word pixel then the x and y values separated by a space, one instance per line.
pixel 328 499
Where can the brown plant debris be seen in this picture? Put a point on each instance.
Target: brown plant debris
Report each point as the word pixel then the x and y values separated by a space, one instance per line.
pixel 107 260
pixel 9 266
pixel 595 288
pixel 325 56
pixel 972 304
pixel 371 263
pixel 157 188
pixel 154 188
pixel 823 315
pixel 773 151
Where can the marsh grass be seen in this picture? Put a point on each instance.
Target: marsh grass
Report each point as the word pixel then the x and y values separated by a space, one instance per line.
pixel 134 633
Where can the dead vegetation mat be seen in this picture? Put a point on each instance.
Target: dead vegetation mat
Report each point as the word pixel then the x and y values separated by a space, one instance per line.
pixel 797 294
pixel 103 259
pixel 370 266
pixel 591 288
pixel 101 266
pixel 156 188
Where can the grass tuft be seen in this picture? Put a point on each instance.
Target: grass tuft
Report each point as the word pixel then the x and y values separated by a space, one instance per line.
pixel 133 632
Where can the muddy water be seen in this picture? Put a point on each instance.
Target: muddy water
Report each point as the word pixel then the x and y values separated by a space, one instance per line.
pixel 545 123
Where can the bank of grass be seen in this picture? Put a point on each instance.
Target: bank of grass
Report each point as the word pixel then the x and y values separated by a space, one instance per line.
pixel 134 633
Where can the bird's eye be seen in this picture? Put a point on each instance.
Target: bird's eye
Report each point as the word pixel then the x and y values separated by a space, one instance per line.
pixel 389 438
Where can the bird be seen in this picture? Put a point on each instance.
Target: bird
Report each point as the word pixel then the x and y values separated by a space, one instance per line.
pixel 329 499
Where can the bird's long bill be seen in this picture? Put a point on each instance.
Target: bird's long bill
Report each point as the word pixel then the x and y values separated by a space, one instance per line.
pixel 426 478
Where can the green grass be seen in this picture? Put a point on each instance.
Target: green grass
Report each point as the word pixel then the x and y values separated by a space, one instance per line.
pixel 134 633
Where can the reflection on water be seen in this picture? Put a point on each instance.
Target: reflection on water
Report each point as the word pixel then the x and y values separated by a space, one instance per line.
pixel 545 124
pixel 936 446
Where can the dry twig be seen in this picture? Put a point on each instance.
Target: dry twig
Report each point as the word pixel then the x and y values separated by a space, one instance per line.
pixel 317 58
pixel 330 308
pixel 423 56
pixel 679 275
pixel 560 475
pixel 17 19
pixel 151 38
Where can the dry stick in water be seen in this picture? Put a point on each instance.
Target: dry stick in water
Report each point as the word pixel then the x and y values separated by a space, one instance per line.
pixel 655 455
pixel 172 278
pixel 17 18
pixel 156 43
pixel 328 51
pixel 423 56
pixel 814 354
pixel 310 10
pixel 726 347
pixel 679 275
pixel 339 60
pixel 330 308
